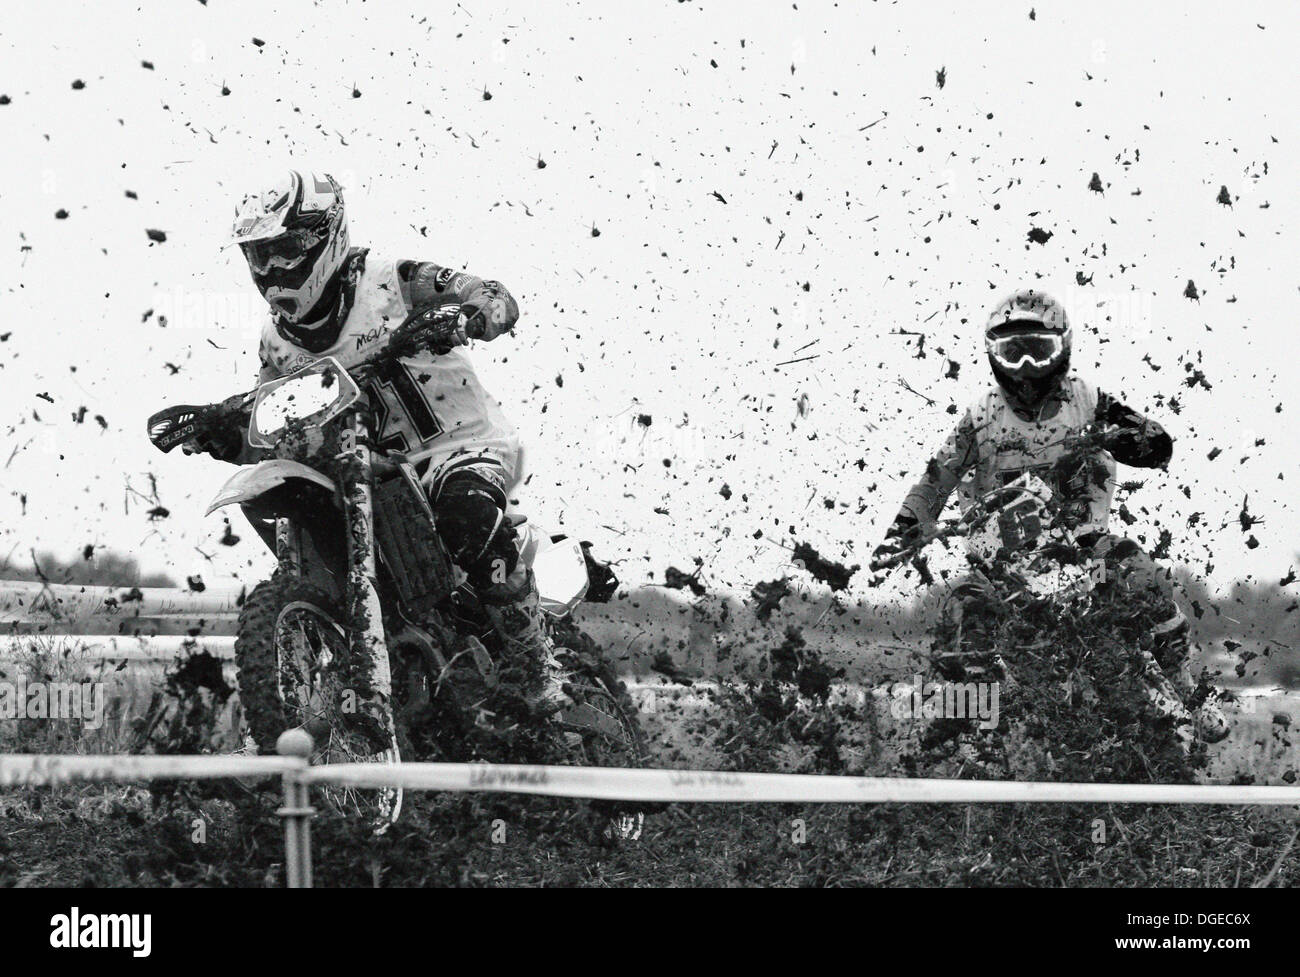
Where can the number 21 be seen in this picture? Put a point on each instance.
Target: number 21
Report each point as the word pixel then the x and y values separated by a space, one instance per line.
pixel 396 379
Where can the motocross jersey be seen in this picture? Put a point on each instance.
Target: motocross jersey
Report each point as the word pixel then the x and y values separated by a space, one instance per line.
pixel 995 443
pixel 428 406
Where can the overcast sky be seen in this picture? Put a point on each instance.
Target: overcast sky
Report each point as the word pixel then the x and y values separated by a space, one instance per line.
pixel 682 196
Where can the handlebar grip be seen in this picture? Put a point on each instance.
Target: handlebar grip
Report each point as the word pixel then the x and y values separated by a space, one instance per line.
pixel 173 426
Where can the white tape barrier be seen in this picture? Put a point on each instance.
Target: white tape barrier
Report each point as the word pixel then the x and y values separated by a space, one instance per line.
pixel 31 769
pixel 25 602
pixel 602 783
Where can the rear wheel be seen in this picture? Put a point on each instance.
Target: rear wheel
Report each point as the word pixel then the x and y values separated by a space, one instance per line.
pixel 290 633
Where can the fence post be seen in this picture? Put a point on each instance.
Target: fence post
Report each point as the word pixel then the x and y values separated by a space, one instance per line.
pixel 297 811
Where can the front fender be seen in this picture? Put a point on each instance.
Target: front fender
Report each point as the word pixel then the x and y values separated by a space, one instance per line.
pixel 256 480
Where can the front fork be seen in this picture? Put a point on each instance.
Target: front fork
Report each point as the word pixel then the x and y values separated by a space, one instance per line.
pixel 369 677
pixel 364 612
pixel 288 547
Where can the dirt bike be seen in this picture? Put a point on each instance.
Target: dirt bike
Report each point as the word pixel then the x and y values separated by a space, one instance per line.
pixel 1041 617
pixel 367 635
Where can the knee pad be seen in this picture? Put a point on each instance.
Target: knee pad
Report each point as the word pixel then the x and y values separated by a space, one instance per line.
pixel 1116 550
pixel 471 522
pixel 1132 567
pixel 1140 574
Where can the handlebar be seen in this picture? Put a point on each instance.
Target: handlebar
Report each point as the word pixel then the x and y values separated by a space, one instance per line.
pixel 1082 444
pixel 987 504
pixel 424 329
pixel 429 328
pixel 174 426
pixel 943 530
pixel 1088 441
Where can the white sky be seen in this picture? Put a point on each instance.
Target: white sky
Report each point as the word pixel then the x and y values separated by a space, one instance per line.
pixel 683 304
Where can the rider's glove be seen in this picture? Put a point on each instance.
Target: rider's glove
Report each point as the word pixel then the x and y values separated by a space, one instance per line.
pixel 452 338
pixel 223 446
pixel 1126 441
pixel 1096 437
pixel 901 536
pixel 472 323
pixel 488 312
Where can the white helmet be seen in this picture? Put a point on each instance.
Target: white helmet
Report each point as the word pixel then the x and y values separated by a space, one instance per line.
pixel 294 236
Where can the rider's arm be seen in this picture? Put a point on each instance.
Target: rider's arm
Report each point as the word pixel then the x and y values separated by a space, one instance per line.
pixel 1140 441
pixel 957 456
pixel 231 445
pixel 489 309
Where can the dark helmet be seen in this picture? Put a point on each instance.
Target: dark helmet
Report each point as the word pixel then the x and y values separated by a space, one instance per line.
pixel 1028 339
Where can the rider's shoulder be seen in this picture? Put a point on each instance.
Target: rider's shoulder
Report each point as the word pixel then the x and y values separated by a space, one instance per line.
pixel 1081 389
pixel 378 267
pixel 380 280
pixel 269 334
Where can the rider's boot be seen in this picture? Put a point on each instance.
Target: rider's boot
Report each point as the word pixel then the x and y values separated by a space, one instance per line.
pixel 1166 701
pixel 1170 644
pixel 1211 724
pixel 515 611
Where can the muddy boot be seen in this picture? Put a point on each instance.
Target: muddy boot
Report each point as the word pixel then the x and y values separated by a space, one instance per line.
pixel 1172 649
pixel 516 614
pixel 1170 643
pixel 1211 723
pixel 1167 702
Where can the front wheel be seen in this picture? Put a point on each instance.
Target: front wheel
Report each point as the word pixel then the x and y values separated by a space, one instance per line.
pixel 290 634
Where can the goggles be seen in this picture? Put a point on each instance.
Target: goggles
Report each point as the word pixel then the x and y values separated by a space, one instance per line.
pixel 1027 349
pixel 285 250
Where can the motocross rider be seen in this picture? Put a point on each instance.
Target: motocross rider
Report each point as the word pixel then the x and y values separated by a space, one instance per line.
pixel 326 297
pixel 1020 425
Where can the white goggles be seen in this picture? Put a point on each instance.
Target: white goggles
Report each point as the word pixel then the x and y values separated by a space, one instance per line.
pixel 1033 349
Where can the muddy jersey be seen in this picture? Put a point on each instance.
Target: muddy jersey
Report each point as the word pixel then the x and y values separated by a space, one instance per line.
pixel 428 406
pixel 994 444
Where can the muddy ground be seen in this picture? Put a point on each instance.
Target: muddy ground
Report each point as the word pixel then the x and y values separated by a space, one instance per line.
pixel 127 837
pixel 795 714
